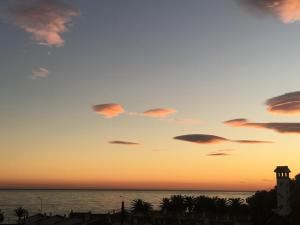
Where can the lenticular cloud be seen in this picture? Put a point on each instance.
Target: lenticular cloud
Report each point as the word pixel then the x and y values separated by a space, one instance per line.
pixel 123 143
pixel 201 138
pixel 46 20
pixel 40 73
pixel 109 110
pixel 287 11
pixel 292 128
pixel 218 154
pixel 288 103
pixel 159 112
pixel 212 139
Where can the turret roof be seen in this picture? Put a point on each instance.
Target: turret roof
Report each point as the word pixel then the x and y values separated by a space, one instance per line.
pixel 282 169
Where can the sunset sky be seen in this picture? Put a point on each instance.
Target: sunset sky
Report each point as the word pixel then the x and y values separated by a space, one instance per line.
pixel 172 94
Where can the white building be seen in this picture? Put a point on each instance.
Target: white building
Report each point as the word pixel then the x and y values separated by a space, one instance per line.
pixel 283 190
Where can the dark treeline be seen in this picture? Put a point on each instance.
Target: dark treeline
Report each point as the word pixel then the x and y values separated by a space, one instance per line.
pixel 189 205
pixel 260 207
pixel 193 207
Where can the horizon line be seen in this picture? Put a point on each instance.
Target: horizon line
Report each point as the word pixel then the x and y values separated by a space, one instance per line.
pixel 118 189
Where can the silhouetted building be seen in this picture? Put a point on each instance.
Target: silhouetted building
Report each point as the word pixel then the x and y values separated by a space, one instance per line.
pixel 283 190
pixel 297 178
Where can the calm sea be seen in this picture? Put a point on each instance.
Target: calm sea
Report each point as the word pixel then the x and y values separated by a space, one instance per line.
pixel 98 201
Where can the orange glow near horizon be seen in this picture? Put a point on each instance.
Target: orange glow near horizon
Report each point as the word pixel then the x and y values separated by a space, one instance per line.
pixel 130 95
pixel 39 184
pixel 183 165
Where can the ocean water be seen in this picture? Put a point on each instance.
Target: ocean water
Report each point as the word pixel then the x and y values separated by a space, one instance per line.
pixel 97 201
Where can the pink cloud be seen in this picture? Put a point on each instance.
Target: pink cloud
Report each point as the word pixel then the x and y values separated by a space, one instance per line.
pixel 159 112
pixel 109 110
pixel 40 73
pixel 278 127
pixel 46 20
pixel 288 104
pixel 236 122
pixel 287 11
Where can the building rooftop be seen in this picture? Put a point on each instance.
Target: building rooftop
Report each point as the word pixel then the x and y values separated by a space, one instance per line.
pixel 282 169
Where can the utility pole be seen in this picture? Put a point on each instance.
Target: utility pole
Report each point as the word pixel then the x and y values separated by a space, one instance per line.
pixel 122 213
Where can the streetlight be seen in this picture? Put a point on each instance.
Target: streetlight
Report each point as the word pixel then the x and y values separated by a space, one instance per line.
pixel 122 211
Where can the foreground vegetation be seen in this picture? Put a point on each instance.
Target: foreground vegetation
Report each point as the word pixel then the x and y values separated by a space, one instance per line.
pixel 187 205
pixel 19 212
pixel 259 208
pixel 1 216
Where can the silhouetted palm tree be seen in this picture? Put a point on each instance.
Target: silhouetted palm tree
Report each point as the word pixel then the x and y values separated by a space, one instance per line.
pixel 204 204
pixel 1 216
pixel 261 206
pixel 295 201
pixel 177 204
pixel 20 212
pixel 237 206
pixel 236 202
pixel 189 202
pixel 141 207
pixel 220 205
pixel 165 205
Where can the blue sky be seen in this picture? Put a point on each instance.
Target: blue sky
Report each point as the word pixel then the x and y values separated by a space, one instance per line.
pixel 210 60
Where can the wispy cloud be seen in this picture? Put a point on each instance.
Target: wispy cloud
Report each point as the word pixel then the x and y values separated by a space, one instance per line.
pixel 159 112
pixel 288 104
pixel 40 73
pixel 278 127
pixel 212 139
pixel 46 20
pixel 222 152
pixel 187 121
pixel 236 122
pixel 252 142
pixel 123 143
pixel 218 154
pixel 109 110
pixel 287 11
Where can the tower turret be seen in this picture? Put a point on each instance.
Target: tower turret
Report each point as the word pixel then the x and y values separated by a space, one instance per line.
pixel 297 178
pixel 283 190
